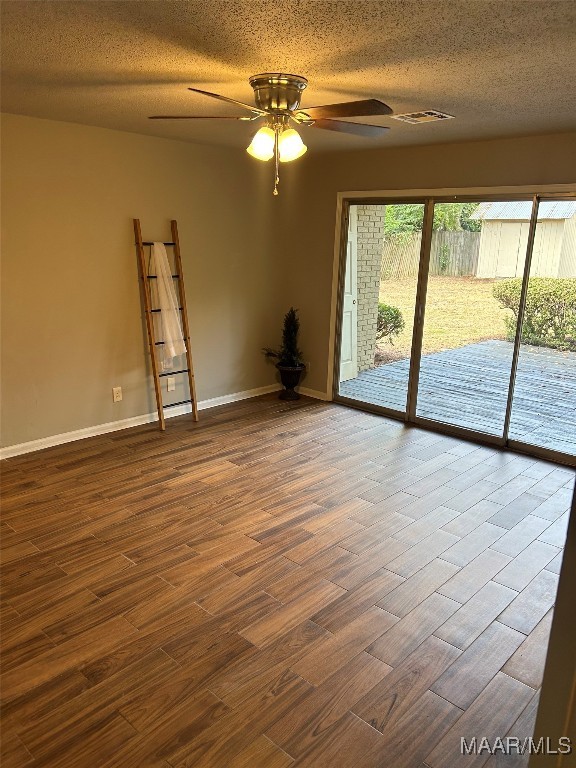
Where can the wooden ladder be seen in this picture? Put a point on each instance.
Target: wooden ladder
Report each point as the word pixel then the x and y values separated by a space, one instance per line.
pixel 149 310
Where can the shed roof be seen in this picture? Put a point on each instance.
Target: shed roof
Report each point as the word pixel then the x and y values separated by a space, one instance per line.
pixel 520 210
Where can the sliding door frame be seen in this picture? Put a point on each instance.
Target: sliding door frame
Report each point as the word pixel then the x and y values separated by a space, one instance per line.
pixel 521 310
pixel 429 198
pixel 520 445
pixel 342 231
pixel 419 310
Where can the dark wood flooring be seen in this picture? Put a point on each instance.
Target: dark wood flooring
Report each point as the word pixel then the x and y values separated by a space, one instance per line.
pixel 468 387
pixel 279 584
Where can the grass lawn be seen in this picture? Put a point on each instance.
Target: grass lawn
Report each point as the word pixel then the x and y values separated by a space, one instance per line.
pixel 459 311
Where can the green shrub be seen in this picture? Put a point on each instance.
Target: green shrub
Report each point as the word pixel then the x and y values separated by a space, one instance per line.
pixel 389 322
pixel 550 314
pixel 444 259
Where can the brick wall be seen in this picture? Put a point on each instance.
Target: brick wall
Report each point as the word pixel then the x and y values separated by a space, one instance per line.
pixel 370 243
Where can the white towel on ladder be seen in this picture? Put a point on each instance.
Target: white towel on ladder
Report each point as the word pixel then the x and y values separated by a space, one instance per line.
pixel 170 326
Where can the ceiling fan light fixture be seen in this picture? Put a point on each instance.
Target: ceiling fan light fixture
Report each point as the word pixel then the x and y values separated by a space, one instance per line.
pixel 290 146
pixel 262 145
pixel 277 100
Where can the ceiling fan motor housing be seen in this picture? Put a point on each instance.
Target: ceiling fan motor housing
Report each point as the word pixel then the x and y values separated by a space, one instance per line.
pixel 275 91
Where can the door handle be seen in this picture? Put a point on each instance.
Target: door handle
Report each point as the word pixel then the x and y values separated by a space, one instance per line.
pixel 353 301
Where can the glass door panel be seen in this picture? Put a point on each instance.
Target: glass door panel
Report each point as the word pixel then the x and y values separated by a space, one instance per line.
pixel 379 297
pixel 544 402
pixel 467 346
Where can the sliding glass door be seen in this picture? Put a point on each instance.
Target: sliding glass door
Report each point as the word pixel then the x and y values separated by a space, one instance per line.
pixel 379 298
pixel 467 354
pixel 544 401
pixel 432 296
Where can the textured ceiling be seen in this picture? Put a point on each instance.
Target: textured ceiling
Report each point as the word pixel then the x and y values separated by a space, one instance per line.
pixel 502 67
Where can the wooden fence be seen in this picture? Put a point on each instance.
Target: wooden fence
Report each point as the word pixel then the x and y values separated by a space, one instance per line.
pixel 453 254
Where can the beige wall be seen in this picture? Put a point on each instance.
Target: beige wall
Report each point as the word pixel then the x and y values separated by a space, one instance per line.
pixel 72 325
pixel 506 162
pixel 71 314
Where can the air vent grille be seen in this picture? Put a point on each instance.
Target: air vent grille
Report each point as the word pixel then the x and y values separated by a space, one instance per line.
pixel 427 116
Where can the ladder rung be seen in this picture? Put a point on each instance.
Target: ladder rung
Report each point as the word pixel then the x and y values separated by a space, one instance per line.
pixel 172 405
pixel 173 373
pixel 155 277
pixel 161 343
pixel 151 242
pixel 159 310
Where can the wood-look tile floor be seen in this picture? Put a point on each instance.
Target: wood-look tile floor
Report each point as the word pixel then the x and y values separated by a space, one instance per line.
pixel 280 584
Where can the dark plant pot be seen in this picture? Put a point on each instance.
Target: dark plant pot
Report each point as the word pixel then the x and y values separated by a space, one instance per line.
pixel 290 377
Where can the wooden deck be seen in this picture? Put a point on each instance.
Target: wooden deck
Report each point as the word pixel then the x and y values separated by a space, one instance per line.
pixel 277 585
pixel 468 387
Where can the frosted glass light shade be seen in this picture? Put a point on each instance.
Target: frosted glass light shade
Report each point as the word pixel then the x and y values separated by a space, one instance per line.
pixel 290 146
pixel 262 145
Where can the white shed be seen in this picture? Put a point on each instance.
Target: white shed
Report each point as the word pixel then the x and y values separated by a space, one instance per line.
pixel 504 239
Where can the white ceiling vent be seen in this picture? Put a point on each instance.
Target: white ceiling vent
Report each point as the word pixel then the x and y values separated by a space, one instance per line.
pixel 423 117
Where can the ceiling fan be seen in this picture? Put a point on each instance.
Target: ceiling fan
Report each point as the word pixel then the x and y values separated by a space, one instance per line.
pixel 277 98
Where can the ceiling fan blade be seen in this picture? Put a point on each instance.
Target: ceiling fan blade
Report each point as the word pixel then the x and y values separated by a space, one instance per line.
pixel 230 101
pixel 358 129
pixel 362 108
pixel 200 117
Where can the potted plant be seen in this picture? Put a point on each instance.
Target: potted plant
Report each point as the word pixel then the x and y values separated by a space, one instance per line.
pixel 289 357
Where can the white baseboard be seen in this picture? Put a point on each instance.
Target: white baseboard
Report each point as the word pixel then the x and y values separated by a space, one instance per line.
pixel 233 398
pixel 134 421
pixel 77 434
pixel 145 418
pixel 313 393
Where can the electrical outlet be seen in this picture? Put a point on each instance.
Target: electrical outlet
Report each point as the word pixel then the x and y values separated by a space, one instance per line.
pixel 116 394
pixel 170 383
pixel 308 366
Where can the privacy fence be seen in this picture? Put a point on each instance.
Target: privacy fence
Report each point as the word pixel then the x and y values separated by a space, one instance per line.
pixel 452 254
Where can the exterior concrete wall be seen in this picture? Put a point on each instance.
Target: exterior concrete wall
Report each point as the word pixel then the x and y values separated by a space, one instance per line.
pixel 370 244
